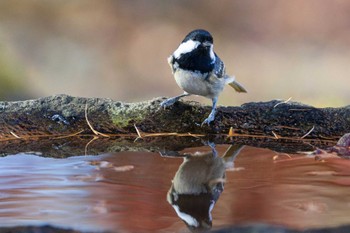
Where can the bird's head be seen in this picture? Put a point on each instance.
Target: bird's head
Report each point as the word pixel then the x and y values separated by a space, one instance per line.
pixel 201 36
pixel 198 39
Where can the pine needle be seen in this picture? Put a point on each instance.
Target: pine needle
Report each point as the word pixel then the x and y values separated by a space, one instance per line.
pixel 69 135
pixel 90 126
pixel 276 135
pixel 312 129
pixel 283 102
pixel 87 144
pixel 141 134
pixel 15 135
pixel 138 131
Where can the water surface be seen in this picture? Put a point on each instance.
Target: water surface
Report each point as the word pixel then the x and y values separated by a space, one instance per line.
pixel 127 191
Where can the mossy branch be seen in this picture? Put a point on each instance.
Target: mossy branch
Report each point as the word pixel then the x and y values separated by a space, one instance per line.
pixel 61 116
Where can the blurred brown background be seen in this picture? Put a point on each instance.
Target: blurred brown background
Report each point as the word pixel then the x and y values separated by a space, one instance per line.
pixel 117 49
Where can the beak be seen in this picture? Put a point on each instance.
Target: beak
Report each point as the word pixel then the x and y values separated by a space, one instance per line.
pixel 206 44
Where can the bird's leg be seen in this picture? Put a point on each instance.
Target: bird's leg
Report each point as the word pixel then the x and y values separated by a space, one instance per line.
pixel 213 149
pixel 211 116
pixel 172 100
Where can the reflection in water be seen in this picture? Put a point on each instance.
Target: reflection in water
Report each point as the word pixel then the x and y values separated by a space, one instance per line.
pixel 125 192
pixel 198 184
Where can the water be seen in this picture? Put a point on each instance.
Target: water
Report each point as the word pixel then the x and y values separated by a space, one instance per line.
pixel 127 191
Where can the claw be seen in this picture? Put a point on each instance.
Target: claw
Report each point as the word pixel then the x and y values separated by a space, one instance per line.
pixel 208 120
pixel 168 102
pixel 211 116
pixel 171 101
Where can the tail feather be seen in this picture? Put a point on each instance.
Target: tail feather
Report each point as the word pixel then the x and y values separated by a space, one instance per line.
pixel 238 87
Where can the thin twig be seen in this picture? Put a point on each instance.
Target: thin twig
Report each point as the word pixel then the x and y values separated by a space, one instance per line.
pixel 90 126
pixel 194 135
pixel 332 140
pixel 312 129
pixel 87 144
pixel 283 102
pixel 276 135
pixel 139 135
pixel 279 154
pixel 15 135
pixel 172 134
pixel 69 135
pixel 138 131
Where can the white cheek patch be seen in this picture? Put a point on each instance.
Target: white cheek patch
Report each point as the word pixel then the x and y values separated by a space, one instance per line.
pixel 186 47
pixel 212 54
pixel 186 217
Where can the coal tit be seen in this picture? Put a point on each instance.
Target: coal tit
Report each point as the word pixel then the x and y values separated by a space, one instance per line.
pixel 199 71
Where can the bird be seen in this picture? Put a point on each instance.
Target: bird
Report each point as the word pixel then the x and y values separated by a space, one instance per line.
pixel 198 70
pixel 198 184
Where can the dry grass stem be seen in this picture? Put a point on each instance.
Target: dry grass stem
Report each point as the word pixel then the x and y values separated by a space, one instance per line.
pixel 15 135
pixel 138 131
pixel 304 140
pixel 280 154
pixel 312 129
pixel 141 134
pixel 87 144
pixel 283 102
pixel 69 135
pixel 276 135
pixel 90 126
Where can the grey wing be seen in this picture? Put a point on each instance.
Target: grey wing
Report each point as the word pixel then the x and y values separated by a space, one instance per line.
pixel 219 67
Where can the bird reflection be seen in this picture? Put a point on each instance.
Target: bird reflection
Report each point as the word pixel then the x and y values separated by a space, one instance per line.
pixel 198 184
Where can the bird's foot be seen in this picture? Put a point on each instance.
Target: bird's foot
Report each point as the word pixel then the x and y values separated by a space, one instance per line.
pixel 171 101
pixel 168 102
pixel 210 118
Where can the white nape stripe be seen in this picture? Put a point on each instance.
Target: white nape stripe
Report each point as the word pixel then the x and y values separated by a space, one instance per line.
pixel 212 54
pixel 186 47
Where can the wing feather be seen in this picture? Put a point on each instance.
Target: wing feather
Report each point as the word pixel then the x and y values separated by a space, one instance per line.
pixel 219 67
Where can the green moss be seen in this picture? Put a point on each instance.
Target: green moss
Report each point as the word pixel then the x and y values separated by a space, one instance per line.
pixel 124 115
